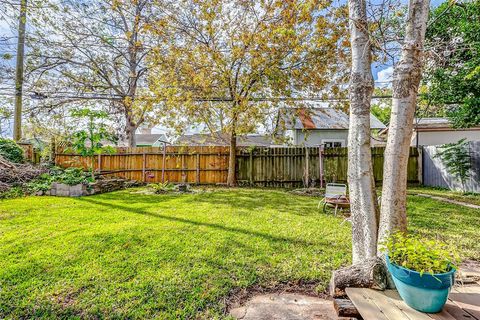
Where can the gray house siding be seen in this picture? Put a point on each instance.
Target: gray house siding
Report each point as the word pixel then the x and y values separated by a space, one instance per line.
pixel 312 138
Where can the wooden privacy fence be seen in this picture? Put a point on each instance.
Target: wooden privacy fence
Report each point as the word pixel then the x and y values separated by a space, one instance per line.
pixel 295 166
pixel 30 153
pixel 264 166
pixel 200 165
pixel 336 162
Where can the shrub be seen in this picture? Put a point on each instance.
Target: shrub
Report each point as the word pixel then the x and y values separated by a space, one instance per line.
pixel 162 187
pixel 13 192
pixel 71 176
pixel 11 151
pixel 420 255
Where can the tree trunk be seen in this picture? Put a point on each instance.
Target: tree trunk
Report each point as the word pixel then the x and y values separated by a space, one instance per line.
pixel 406 79
pixel 130 133
pixel 17 121
pixel 232 177
pixel 360 170
pixel 370 273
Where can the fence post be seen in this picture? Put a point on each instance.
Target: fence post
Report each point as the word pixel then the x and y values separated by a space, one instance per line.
pixel 198 169
pixel 320 159
pixel 144 160
pixel 184 178
pixel 99 164
pixel 420 165
pixel 251 167
pixel 307 177
pixel 164 161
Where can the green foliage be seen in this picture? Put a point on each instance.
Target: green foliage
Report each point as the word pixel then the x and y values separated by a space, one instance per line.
pixel 164 187
pixel 11 151
pixel 73 176
pixel 421 255
pixel 382 113
pixel 13 192
pixel 456 158
pixel 453 69
pixel 70 176
pixel 89 142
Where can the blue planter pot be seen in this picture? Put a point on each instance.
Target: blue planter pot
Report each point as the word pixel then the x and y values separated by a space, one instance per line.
pixel 424 293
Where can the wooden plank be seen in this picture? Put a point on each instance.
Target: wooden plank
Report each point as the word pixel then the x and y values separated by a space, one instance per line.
pixel 364 304
pixel 197 176
pixel 457 312
pixel 467 298
pixel 410 313
pixel 385 304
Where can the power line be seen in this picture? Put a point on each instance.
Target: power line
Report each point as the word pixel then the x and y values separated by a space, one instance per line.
pixel 42 96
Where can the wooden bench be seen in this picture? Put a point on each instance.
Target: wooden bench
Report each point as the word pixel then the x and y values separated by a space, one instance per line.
pixel 463 303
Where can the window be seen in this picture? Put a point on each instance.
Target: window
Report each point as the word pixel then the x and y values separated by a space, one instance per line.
pixel 333 143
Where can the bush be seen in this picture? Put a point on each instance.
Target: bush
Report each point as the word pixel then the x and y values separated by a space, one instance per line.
pixel 13 192
pixel 71 176
pixel 162 187
pixel 420 255
pixel 11 151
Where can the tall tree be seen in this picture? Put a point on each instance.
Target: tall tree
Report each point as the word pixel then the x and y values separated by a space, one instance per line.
pixel 95 50
pixel 22 22
pixel 360 169
pixel 406 79
pixel 452 74
pixel 235 52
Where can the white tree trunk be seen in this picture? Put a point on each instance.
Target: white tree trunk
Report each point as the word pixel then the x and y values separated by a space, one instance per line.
pixel 406 79
pixel 360 170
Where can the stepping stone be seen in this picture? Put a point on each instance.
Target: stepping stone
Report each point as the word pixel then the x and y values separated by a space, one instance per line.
pixel 285 306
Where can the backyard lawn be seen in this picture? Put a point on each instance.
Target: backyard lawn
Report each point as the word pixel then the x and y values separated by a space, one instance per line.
pixel 133 255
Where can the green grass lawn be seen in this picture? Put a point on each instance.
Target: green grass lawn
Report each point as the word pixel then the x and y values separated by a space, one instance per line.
pixel 473 198
pixel 132 255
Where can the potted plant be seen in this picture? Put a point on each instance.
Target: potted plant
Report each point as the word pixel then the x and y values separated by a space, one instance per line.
pixel 423 270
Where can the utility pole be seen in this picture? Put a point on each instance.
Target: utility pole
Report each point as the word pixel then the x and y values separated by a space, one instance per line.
pixel 17 121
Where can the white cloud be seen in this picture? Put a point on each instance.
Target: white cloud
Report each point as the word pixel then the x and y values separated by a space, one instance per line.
pixel 384 78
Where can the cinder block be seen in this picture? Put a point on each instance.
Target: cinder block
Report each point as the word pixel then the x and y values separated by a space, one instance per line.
pixel 76 190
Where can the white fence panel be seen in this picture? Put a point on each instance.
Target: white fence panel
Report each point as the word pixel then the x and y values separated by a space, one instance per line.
pixel 435 173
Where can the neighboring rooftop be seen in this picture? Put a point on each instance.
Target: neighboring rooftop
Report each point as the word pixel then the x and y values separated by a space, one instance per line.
pixel 428 123
pixel 152 139
pixel 320 118
pixel 222 139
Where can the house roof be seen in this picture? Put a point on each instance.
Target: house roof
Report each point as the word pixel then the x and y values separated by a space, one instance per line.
pixel 434 124
pixel 222 139
pixel 149 139
pixel 430 123
pixel 320 118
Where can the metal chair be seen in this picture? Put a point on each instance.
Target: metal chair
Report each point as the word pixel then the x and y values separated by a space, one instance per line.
pixel 335 196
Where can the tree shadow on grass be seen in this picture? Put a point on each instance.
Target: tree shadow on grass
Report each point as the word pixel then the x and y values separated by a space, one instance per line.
pixel 266 236
pixel 244 199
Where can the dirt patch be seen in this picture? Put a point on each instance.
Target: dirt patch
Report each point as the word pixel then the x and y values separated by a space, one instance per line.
pixel 239 297
pixel 309 192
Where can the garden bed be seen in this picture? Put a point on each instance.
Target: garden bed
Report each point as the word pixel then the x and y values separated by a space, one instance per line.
pixel 87 189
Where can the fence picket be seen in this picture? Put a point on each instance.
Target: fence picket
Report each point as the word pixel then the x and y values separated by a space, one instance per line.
pixel 262 166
